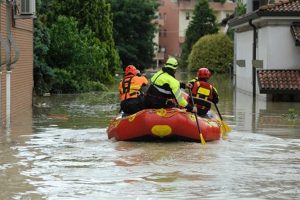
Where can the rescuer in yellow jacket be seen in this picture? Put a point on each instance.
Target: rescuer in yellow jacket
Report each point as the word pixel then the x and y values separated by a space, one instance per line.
pixel 130 89
pixel 164 89
pixel 201 89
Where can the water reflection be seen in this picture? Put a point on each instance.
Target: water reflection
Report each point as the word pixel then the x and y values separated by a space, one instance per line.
pixel 83 164
pixel 76 111
pixel 279 119
pixel 61 151
pixel 11 181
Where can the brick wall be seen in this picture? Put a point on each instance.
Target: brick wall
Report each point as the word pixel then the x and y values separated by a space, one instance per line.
pixel 22 70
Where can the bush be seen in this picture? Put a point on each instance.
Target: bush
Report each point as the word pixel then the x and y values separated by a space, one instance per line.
pixel 212 51
pixel 78 58
pixel 43 74
pixel 63 82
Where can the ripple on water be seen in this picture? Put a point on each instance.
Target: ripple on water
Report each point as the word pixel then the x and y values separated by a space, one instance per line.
pixel 84 164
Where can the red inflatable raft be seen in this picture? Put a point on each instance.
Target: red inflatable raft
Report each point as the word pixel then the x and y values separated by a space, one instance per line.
pixel 164 124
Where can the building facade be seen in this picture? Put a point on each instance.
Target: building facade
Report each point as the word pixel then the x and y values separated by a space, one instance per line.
pixel 175 16
pixel 168 35
pixel 267 38
pixel 16 75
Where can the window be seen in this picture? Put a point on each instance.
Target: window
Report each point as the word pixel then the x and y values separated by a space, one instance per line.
pixel 187 15
pixel 160 31
pixel 165 32
pixel 255 5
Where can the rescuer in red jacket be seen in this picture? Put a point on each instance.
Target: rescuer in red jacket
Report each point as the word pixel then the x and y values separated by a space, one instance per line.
pixel 201 89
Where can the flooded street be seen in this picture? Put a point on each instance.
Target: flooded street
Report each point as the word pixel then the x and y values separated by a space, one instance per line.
pixel 60 150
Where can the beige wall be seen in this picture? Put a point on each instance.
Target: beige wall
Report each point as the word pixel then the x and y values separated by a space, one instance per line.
pixel 185 16
pixel 22 70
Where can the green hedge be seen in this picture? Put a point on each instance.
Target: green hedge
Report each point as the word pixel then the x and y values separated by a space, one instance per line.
pixel 212 51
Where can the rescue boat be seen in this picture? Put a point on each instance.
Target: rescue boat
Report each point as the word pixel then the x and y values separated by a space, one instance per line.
pixel 164 125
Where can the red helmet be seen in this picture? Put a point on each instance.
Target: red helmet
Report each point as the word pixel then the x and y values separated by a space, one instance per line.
pixel 130 69
pixel 203 73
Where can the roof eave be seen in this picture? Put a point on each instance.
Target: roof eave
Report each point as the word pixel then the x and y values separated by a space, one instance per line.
pixel 233 23
pixel 280 14
pixel 238 21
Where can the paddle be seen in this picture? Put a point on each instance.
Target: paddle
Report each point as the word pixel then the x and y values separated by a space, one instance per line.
pixel 196 117
pixel 225 127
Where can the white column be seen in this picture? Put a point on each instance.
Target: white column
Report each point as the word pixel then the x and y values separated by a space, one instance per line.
pixel 8 81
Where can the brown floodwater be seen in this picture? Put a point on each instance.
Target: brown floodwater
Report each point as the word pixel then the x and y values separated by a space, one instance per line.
pixel 60 150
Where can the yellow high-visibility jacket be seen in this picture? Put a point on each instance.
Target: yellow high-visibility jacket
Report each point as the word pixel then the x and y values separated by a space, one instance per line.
pixel 168 87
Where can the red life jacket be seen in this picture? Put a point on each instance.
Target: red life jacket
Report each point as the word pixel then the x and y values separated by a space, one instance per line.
pixel 204 90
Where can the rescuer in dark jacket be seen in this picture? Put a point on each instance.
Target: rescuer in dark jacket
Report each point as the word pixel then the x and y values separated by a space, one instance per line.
pixel 130 87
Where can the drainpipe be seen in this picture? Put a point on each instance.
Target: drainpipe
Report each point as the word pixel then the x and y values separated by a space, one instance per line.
pixel 9 61
pixel 4 45
pixel 1 42
pixel 253 57
pixel 8 66
pixel 253 76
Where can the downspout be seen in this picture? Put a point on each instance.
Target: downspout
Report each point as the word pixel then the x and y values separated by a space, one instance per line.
pixel 9 61
pixel 4 45
pixel 253 75
pixel 10 40
pixel 253 57
pixel 1 42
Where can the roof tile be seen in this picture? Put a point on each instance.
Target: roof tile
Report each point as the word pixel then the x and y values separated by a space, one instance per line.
pixel 279 81
pixel 282 6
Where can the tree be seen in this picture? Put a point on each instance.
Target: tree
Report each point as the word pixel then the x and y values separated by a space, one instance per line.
pixel 79 53
pixel 42 73
pixel 212 51
pixel 220 1
pixel 203 22
pixel 96 15
pixel 241 8
pixel 134 30
pixel 75 55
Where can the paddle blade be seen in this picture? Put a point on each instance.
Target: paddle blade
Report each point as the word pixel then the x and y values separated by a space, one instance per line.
pixel 225 128
pixel 202 139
